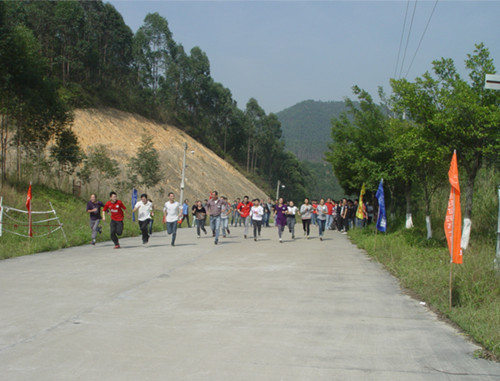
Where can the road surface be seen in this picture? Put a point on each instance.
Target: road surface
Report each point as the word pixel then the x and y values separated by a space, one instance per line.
pixel 239 310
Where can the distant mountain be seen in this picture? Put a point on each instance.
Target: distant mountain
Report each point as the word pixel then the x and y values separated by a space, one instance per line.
pixel 306 127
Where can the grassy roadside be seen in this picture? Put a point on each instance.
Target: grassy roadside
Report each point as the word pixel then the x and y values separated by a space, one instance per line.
pixel 72 214
pixel 423 268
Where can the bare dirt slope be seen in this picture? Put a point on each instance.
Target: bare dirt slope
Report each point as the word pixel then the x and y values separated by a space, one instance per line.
pixel 122 132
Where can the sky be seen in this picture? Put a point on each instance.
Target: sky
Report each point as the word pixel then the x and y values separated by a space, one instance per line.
pixel 285 52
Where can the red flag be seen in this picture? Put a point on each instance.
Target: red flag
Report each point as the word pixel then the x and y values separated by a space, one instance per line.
pixel 28 206
pixel 453 220
pixel 28 199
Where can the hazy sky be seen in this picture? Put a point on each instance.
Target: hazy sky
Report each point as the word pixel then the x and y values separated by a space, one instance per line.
pixel 284 52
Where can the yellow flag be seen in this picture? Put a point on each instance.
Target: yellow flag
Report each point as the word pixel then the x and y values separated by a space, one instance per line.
pixel 359 212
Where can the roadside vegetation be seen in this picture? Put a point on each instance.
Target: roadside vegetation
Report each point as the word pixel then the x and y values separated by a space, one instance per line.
pixel 71 212
pixel 423 266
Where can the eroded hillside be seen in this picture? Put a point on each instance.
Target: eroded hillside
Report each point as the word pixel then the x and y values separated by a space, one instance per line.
pixel 121 133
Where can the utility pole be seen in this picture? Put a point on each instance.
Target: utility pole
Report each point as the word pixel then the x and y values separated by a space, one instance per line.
pixel 492 82
pixel 181 201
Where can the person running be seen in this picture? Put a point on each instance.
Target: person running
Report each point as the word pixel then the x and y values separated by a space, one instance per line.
pixel 280 210
pixel 151 220
pixel 234 213
pixel 314 218
pixel 94 210
pixel 244 211
pixel 290 218
pixel 257 213
pixel 214 208
pixel 306 212
pixel 329 215
pixel 321 213
pixel 185 212
pixel 172 213
pixel 224 216
pixel 199 213
pixel 145 208
pixel 116 209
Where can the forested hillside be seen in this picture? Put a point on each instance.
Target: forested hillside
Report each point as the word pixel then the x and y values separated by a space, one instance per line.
pixel 307 127
pixel 56 56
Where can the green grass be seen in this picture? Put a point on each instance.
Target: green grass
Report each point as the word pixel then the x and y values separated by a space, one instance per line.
pixel 71 211
pixel 423 267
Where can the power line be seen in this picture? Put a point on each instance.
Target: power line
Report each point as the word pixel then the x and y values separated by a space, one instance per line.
pixel 408 38
pixel 401 40
pixel 421 38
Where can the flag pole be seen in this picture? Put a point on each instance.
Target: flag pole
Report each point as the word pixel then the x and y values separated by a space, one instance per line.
pixel 451 282
pixel 452 247
pixel 30 226
pixel 376 231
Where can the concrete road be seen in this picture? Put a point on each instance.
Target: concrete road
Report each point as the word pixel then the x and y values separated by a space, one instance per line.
pixel 240 310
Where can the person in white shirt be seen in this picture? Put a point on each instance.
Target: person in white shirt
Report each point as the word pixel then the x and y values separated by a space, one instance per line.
pixel 172 213
pixel 257 212
pixel 145 208
pixel 306 214
pixel 226 211
pixel 290 217
pixel 322 211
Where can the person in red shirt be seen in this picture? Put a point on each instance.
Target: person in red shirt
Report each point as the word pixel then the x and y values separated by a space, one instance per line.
pixel 329 216
pixel 244 211
pixel 314 216
pixel 116 209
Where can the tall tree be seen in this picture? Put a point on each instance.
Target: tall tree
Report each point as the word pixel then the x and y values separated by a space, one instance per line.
pixel 145 166
pixel 66 152
pixel 255 115
pixel 30 101
pixel 153 50
pixel 99 166
pixel 460 115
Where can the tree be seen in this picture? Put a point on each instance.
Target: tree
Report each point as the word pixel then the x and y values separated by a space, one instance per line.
pixel 459 115
pixel 66 152
pixel 98 165
pixel 255 115
pixel 153 50
pixel 145 166
pixel 29 100
pixel 359 152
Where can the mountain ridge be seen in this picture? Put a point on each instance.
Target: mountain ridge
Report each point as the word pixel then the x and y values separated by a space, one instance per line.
pixel 306 127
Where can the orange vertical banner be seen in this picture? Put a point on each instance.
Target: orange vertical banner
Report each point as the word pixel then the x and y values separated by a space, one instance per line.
pixel 28 206
pixel 453 220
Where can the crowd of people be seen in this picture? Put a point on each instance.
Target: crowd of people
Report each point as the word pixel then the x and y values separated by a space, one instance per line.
pixel 222 214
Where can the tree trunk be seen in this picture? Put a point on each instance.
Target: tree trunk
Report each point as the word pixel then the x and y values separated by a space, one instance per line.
pixel 4 139
pixel 472 171
pixel 469 187
pixel 392 204
pixel 254 159
pixel 409 221
pixel 248 154
pixel 18 146
pixel 427 199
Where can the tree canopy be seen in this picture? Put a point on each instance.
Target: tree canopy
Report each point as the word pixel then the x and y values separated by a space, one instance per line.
pixel 81 54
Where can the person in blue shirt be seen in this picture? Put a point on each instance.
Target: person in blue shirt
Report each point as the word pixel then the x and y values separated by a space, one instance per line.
pixel 185 212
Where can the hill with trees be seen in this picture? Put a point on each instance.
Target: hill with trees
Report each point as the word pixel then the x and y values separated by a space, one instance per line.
pixel 306 127
pixel 307 132
pixel 56 56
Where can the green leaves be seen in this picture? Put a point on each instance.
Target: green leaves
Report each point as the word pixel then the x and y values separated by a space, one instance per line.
pixel 145 166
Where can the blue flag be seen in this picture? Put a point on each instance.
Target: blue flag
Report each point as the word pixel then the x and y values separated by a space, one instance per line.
pixel 382 219
pixel 134 201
